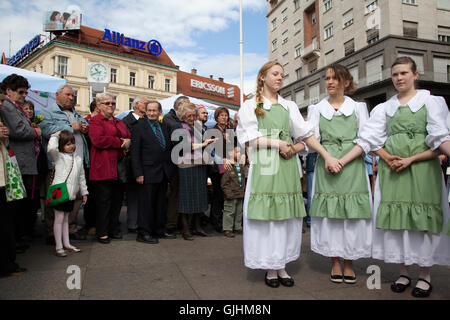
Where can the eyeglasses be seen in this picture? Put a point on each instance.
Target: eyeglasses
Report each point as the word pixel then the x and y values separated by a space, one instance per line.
pixel 108 103
pixel 22 92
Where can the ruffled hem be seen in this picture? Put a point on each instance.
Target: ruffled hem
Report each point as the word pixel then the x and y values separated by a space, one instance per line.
pixel 410 259
pixel 270 264
pixel 276 206
pixel 353 255
pixel 341 206
pixel 409 216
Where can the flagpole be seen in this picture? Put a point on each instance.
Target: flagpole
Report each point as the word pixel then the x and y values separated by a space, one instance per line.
pixel 241 47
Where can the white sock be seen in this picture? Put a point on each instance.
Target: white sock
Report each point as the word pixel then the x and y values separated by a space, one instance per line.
pixel 403 272
pixel 283 274
pixel 424 274
pixel 272 274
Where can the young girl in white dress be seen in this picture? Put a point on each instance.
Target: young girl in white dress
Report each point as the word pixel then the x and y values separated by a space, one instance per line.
pixel 410 199
pixel 341 210
pixel 273 201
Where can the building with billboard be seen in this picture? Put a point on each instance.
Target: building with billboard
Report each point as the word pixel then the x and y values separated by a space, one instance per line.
pixel 365 36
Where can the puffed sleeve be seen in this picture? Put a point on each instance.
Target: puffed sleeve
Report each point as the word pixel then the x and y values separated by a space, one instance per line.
pixel 247 129
pixel 437 112
pixel 299 128
pixel 314 119
pixel 373 135
pixel 362 115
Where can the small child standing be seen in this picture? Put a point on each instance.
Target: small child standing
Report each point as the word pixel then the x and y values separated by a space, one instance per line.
pixel 69 168
pixel 233 186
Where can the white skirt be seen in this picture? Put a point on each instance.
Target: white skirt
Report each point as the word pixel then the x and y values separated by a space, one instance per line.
pixel 411 247
pixel 270 244
pixel 350 239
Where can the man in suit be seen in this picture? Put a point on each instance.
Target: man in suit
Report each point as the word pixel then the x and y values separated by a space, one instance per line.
pixel 132 188
pixel 152 168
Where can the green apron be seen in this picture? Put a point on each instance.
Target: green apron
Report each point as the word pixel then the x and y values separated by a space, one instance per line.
pixel 410 199
pixel 275 190
pixel 344 195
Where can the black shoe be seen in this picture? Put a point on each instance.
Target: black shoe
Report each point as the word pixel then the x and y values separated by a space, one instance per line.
pixel 287 282
pixel 187 236
pixel 420 293
pixel 167 235
pixel 131 230
pixel 146 239
pixel 400 287
pixel 336 278
pixel 116 235
pixel 350 279
pixel 104 241
pixel 77 236
pixel 199 233
pixel 273 283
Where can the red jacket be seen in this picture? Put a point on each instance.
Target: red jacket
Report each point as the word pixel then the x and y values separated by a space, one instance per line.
pixel 105 150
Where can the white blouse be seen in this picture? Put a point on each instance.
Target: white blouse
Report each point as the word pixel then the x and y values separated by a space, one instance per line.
pixel 247 129
pixel 327 111
pixel 374 134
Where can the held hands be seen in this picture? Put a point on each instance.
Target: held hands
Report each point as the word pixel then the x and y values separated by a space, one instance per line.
pixel 333 165
pixel 84 199
pixel 125 144
pixel 4 131
pixel 208 141
pixel 400 164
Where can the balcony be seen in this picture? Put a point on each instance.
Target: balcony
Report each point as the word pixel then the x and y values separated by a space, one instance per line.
pixel 311 51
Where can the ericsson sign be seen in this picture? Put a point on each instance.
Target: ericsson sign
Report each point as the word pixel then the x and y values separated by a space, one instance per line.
pixel 207 86
pixel 153 46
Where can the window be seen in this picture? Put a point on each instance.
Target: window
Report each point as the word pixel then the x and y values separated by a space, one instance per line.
pixel 274 24
pixel 448 73
pixel 314 93
pixel 374 69
pixel 373 35
pixel 130 103
pixel 274 45
pixel 300 97
pixel 418 59
pixel 329 57
pixel 313 18
pixel 371 5
pixel 62 65
pixel 298 26
pixel 443 34
pixel 410 1
pixel 167 85
pixel 285 36
pixel 314 43
pixel 113 75
pixel 354 72
pixel 410 29
pixel 312 66
pixel 329 31
pixel 348 18
pixel 328 4
pixel 133 79
pixel 298 73
pixel 284 15
pixel 151 82
pixel 296 4
pixel 75 96
pixel 298 51
pixel 443 4
pixel 349 47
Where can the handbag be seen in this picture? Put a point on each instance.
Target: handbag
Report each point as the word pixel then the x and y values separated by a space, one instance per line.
pixel 15 189
pixel 58 193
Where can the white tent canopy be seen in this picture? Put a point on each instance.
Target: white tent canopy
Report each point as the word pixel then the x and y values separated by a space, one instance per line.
pixel 167 104
pixel 42 87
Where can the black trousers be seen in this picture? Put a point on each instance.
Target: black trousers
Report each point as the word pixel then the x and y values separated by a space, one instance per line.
pixel 109 197
pixel 89 207
pixel 152 208
pixel 7 237
pixel 216 213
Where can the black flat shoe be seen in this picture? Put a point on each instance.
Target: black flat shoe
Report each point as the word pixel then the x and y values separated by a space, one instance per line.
pixel 350 279
pixel 420 293
pixel 187 236
pixel 146 239
pixel 199 233
pixel 273 283
pixel 400 287
pixel 336 278
pixel 287 282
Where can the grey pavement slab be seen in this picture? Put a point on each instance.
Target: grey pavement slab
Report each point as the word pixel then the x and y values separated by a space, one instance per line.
pixel 208 268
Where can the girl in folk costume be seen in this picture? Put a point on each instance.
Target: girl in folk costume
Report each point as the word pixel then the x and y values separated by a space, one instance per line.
pixel 68 167
pixel 273 201
pixel 410 202
pixel 341 209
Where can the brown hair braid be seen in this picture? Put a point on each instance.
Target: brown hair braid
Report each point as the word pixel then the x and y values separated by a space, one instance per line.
pixel 260 84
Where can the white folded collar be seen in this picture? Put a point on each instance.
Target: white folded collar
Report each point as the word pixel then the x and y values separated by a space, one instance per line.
pixel 327 110
pixel 268 104
pixel 414 104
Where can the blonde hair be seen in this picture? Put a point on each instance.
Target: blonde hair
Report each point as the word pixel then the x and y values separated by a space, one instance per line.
pixel 260 84
pixel 183 108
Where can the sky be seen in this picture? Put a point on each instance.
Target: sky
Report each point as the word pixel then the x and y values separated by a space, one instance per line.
pixel 200 34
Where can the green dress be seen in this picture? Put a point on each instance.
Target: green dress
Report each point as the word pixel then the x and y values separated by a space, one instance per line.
pixel 275 190
pixel 410 199
pixel 344 195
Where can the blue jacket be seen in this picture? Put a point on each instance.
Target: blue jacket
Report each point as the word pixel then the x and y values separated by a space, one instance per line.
pixel 56 120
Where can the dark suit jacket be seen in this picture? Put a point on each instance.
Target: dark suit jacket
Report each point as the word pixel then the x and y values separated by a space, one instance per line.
pixel 130 121
pixel 148 158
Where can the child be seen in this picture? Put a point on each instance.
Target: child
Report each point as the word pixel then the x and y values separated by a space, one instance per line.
pixel 61 148
pixel 233 186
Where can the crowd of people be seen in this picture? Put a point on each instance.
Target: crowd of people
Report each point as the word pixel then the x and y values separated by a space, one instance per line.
pixel 377 206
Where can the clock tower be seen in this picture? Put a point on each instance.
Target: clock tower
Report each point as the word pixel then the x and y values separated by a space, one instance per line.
pixel 98 77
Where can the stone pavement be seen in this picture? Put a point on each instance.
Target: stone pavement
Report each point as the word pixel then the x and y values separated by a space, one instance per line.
pixel 204 269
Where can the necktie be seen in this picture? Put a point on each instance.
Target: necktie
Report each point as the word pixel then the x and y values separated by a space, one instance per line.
pixel 159 136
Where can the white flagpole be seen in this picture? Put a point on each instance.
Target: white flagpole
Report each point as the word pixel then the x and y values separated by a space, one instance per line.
pixel 241 45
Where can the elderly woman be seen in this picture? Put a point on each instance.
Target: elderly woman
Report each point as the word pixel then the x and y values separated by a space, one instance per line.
pixel 23 140
pixel 193 199
pixel 7 239
pixel 110 141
